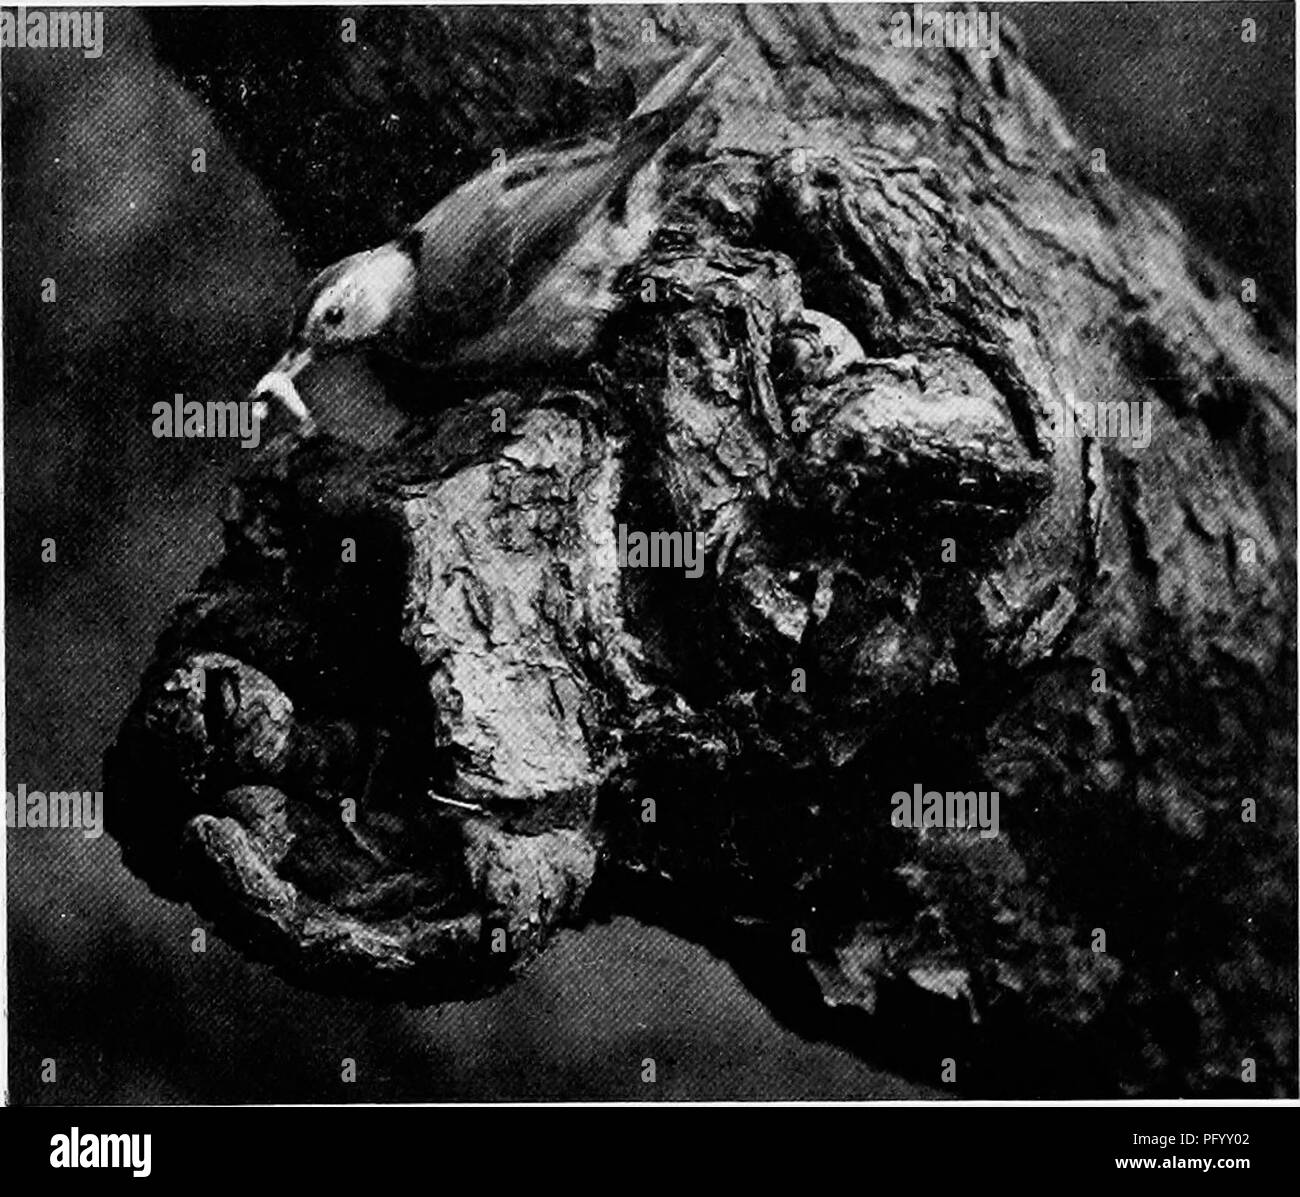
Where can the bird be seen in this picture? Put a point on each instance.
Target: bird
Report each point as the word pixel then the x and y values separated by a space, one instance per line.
pixel 513 269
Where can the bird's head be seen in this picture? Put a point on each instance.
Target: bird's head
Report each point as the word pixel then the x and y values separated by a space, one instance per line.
pixel 353 304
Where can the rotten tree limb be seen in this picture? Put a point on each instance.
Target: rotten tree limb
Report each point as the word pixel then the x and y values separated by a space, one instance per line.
pixel 401 774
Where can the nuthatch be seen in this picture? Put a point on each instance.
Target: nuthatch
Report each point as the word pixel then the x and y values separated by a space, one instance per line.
pixel 495 274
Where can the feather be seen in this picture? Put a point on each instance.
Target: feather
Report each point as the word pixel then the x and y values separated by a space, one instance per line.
pixel 486 247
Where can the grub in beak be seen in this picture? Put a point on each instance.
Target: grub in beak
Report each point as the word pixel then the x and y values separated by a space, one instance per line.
pixel 278 381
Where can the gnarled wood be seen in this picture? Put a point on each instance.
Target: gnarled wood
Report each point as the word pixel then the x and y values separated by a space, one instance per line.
pixel 1110 650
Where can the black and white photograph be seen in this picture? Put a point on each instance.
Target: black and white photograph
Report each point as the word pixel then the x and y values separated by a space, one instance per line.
pixel 649 554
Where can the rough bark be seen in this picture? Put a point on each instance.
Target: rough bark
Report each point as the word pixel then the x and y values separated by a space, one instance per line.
pixel 1111 650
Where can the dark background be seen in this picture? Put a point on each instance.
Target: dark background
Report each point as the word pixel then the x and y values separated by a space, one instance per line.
pixel 171 281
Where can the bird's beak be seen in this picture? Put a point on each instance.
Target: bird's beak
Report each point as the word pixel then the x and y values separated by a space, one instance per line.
pixel 293 363
pixel 278 381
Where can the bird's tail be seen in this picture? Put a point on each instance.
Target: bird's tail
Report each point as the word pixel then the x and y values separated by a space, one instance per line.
pixel 673 98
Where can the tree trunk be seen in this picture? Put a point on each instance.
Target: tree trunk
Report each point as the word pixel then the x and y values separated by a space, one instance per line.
pixel 422 714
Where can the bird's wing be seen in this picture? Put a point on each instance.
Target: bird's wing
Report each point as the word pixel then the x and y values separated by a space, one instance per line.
pixel 464 250
pixel 483 248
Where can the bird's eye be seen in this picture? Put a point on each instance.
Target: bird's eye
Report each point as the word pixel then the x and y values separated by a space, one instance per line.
pixel 333 316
